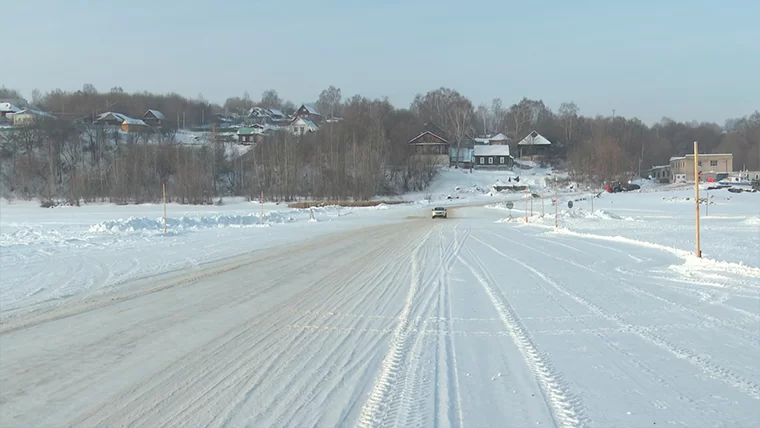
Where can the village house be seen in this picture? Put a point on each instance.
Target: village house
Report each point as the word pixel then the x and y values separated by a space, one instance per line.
pixel 28 117
pixel 307 111
pixel 263 115
pixel 534 147
pixel 492 157
pixel 462 157
pixel 682 167
pixel 251 135
pixel 431 146
pixel 302 125
pixel 8 108
pixel 661 173
pixel 122 121
pixel 109 118
pixel 497 139
pixel 153 118
pixel 130 124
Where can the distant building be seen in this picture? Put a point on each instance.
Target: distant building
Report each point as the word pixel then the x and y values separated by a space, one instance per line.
pixel 534 146
pixel 431 146
pixel 153 118
pixel 682 167
pixel 28 117
pixel 263 116
pixel 497 139
pixel 307 111
pixel 131 124
pixel 660 172
pixel 302 125
pixel 110 118
pixel 8 108
pixel 463 156
pixel 493 157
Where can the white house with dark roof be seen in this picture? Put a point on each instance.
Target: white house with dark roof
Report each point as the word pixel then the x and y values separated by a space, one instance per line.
pixel 302 125
pixel 534 145
pixel 492 156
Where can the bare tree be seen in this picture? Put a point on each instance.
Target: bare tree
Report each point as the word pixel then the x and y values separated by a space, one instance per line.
pixel 329 101
pixel 270 99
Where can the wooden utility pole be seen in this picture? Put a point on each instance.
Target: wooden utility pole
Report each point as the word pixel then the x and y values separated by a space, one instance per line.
pixel 542 205
pixel 261 202
pixel 526 204
pixel 213 166
pixel 163 191
pixel 696 194
pixel 556 207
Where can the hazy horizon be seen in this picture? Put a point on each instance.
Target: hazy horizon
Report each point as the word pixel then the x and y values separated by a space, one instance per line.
pixel 683 60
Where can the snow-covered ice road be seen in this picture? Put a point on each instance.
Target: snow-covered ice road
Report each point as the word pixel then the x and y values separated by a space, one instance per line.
pixel 458 322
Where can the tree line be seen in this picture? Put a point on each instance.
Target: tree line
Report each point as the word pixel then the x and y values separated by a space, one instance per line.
pixel 363 155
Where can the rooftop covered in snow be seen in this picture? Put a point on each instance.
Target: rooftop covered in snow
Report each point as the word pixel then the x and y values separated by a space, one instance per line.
pixel 534 139
pixel 492 150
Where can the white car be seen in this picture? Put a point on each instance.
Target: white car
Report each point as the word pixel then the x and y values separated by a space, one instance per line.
pixel 440 212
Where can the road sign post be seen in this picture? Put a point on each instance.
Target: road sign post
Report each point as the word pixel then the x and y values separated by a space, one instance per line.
pixel 509 206
pixel 696 194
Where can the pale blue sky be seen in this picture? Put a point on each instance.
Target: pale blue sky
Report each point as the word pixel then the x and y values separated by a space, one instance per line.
pixel 686 59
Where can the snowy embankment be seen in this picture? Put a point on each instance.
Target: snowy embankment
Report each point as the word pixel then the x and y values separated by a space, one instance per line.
pixel 50 254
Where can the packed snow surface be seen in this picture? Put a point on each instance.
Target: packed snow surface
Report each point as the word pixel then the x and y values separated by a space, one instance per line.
pixel 381 316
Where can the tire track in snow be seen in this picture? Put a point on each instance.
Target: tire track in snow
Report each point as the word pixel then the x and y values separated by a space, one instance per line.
pixel 705 364
pixel 176 278
pixel 216 364
pixel 451 354
pixel 407 404
pixel 632 361
pixel 248 376
pixel 330 351
pixel 389 368
pixel 567 410
pixel 748 334
pixel 406 378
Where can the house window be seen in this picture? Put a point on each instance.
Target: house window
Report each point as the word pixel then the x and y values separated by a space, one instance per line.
pixel 713 163
pixel 501 160
pixel 490 160
pixel 482 161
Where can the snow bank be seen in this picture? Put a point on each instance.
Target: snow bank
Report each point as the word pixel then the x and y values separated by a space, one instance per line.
pixel 694 266
pixel 564 215
pixel 145 224
pixel 197 222
pixel 623 239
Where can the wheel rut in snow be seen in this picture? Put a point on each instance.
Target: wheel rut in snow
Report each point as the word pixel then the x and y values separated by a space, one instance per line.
pixel 703 363
pixel 18 320
pixel 407 380
pixel 567 409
